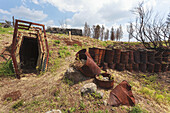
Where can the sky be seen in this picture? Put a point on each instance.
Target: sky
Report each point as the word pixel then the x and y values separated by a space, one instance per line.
pixel 76 12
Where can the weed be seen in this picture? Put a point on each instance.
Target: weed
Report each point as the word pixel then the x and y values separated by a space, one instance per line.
pixel 146 91
pixel 72 109
pixel 18 104
pixel 82 106
pixel 6 69
pixel 137 109
pixel 68 81
pixel 56 93
pixel 50 53
pixel 96 95
pixel 57 41
pixel 9 99
pixel 159 98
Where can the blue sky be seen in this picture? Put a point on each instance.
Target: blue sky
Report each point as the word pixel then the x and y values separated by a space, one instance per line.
pixel 76 12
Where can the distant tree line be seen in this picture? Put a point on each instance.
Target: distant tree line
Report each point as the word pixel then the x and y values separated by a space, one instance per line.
pixel 101 33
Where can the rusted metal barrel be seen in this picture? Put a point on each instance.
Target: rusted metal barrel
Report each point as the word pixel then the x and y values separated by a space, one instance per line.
pixel 136 56
pixel 164 67
pixel 120 67
pixel 94 52
pixel 142 67
pixel 105 66
pixel 83 51
pixel 101 56
pixel 131 57
pixel 129 67
pixel 111 65
pixel 158 57
pixel 151 56
pixel 135 67
pixel 157 68
pixel 117 55
pixel 124 57
pixel 166 56
pixel 109 56
pixel 150 67
pixel 90 68
pixel 143 56
pixel 104 84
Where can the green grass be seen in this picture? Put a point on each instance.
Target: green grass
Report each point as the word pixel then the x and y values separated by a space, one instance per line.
pixel 6 69
pixel 57 41
pixel 137 109
pixel 18 104
pixel 6 30
pixel 64 52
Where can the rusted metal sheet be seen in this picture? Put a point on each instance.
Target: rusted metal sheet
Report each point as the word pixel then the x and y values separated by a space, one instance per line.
pixel 25 44
pixel 121 95
pixel 90 68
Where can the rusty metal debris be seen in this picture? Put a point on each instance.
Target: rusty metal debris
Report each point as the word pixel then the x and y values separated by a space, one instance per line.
pixel 121 95
pixel 29 49
pixel 90 68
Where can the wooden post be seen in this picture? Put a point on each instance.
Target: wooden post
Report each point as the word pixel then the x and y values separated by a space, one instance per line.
pixel 70 35
pixel 13 21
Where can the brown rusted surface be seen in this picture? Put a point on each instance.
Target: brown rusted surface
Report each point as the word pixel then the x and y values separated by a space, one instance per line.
pixel 131 57
pixel 121 95
pixel 129 67
pixel 117 55
pixel 164 67
pixel 104 84
pixel 112 65
pixel 124 57
pixel 109 56
pixel 136 56
pixel 18 38
pixel 157 68
pixel 83 51
pixel 142 67
pixel 135 67
pixel 94 52
pixel 101 56
pixel 90 68
pixel 151 56
pixel 143 56
pixel 105 66
pixel 150 67
pixel 120 67
pixel 12 96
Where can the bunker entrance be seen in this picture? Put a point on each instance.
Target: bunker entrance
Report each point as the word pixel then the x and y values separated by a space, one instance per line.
pixel 29 54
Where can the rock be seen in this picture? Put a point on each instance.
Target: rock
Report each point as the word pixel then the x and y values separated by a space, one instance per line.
pixel 88 88
pixel 54 111
pixel 100 93
pixel 74 75
pixel 105 102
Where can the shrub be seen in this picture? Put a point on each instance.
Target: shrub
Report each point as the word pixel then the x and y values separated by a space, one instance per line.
pixel 6 69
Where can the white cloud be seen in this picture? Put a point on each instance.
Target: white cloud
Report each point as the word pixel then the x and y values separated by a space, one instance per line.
pixel 35 1
pixel 4 12
pixel 97 11
pixel 49 23
pixel 32 14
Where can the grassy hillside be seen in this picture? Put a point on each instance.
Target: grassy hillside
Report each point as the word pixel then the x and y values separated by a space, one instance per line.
pixel 55 90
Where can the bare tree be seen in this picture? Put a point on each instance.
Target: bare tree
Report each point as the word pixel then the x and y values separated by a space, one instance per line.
pixel 153 33
pixel 102 33
pixel 130 30
pixel 120 32
pixel 97 32
pixel 85 29
pixel 106 35
pixel 112 35
pixel 93 31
